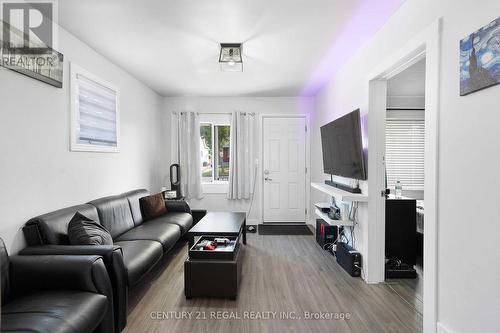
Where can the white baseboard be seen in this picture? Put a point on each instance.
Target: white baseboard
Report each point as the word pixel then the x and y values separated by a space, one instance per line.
pixel 442 329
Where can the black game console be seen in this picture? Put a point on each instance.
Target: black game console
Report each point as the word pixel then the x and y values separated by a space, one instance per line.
pixel 349 259
pixel 325 233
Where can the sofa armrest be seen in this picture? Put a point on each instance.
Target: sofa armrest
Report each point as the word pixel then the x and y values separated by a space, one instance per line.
pixel 113 260
pixel 30 274
pixel 177 206
pixel 33 273
pixel 197 215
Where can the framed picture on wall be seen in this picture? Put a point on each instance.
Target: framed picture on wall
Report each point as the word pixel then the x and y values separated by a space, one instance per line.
pixel 45 66
pixel 480 59
pixel 27 40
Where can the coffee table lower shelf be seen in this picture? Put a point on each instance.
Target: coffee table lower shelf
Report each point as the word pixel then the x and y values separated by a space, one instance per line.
pixel 213 278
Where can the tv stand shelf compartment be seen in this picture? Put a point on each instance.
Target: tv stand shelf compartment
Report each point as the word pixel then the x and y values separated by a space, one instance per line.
pixel 340 194
pixel 328 220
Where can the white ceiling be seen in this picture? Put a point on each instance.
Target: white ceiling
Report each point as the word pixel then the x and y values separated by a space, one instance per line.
pixel 172 46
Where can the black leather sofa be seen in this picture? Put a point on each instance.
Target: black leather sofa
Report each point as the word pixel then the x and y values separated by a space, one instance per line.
pixel 55 294
pixel 138 244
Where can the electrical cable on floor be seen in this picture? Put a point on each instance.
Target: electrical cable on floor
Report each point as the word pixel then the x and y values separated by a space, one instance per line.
pixel 362 271
pixel 329 247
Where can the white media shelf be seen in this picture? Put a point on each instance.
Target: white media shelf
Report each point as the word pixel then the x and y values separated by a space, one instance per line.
pixel 339 194
pixel 328 220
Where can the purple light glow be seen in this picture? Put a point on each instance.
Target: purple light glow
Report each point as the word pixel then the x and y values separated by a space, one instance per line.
pixel 306 105
pixel 369 17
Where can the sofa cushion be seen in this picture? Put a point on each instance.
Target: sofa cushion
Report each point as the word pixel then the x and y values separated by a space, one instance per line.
pixel 183 220
pixel 152 206
pixel 165 233
pixel 135 207
pixel 84 231
pixel 139 256
pixel 54 311
pixel 53 226
pixel 114 214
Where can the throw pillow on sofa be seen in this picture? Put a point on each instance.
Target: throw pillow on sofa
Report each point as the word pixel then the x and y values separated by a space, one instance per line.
pixel 152 206
pixel 84 231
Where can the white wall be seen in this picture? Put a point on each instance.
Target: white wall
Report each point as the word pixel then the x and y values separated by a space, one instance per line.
pixel 468 247
pixel 407 89
pixel 39 174
pixel 259 105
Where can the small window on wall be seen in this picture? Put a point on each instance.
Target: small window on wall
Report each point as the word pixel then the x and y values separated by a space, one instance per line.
pixel 94 113
pixel 215 140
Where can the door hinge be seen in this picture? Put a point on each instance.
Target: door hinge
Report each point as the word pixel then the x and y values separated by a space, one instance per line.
pixel 305 210
pixel 306 128
pixel 306 169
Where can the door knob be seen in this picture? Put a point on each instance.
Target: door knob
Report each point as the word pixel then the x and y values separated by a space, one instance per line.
pixel 267 178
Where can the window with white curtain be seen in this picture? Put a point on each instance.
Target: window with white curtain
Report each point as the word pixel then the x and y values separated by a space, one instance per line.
pixel 405 152
pixel 94 113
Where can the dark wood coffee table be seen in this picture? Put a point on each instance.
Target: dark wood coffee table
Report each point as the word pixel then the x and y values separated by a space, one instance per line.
pixel 220 224
pixel 213 277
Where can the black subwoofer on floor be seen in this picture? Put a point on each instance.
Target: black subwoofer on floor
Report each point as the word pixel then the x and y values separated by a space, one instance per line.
pixel 349 259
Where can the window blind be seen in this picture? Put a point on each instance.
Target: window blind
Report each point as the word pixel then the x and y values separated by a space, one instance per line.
pixel 405 153
pixel 96 113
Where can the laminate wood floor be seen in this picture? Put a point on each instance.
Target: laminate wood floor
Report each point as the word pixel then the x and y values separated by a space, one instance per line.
pixel 410 290
pixel 282 276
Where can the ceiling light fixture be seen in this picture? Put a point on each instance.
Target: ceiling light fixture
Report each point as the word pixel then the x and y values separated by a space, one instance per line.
pixel 230 57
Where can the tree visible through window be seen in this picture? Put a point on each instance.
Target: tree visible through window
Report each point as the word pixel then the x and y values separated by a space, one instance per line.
pixel 215 151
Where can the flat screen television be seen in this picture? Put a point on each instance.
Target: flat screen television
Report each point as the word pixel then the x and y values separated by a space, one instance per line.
pixel 342 146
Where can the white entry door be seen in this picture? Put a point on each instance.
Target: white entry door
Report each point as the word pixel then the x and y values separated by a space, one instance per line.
pixel 284 169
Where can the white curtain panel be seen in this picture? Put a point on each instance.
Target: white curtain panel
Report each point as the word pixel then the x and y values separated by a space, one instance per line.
pixel 241 156
pixel 189 154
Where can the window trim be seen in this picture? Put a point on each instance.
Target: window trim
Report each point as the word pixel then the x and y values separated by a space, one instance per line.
pixel 215 186
pixel 76 70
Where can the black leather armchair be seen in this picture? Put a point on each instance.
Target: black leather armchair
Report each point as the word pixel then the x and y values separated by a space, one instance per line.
pixel 47 235
pixel 113 260
pixel 55 294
